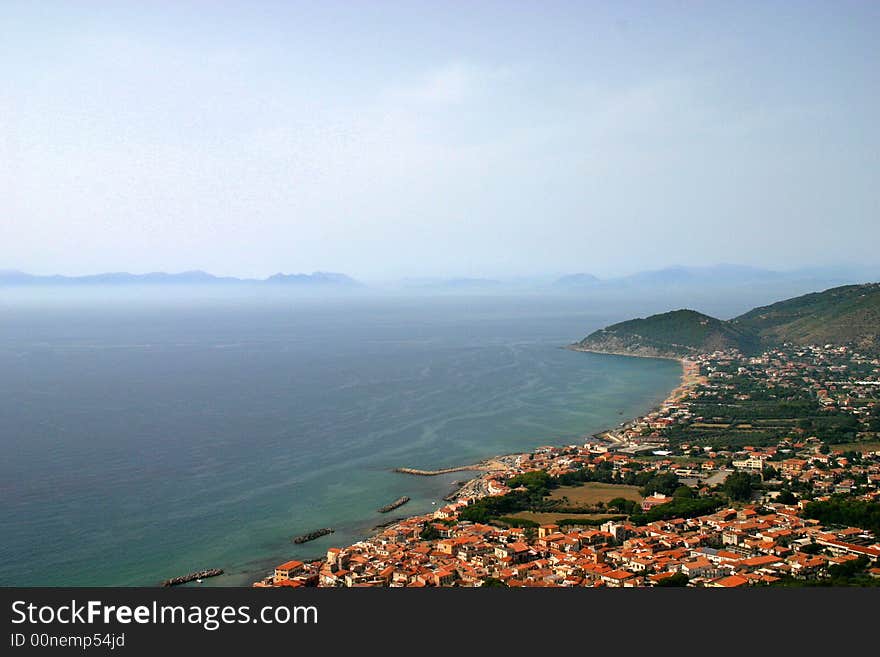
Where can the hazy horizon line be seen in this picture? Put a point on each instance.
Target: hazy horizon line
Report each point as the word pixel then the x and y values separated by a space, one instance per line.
pixel 819 269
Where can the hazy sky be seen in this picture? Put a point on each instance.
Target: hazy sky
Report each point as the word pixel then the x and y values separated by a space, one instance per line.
pixel 441 138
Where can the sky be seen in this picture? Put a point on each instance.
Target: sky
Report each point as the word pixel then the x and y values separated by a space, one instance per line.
pixel 421 139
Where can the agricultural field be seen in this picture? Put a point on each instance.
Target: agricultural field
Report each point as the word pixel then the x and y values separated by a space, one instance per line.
pixel 544 518
pixel 860 446
pixel 591 493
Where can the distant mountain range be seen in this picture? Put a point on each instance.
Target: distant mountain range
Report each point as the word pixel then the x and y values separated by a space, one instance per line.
pixel 669 281
pixel 462 283
pixel 316 279
pixel 843 315
pixel 578 280
pixel 715 275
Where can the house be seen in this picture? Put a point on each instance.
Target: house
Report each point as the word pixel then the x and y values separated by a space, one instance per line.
pixel 333 555
pixel 656 578
pixel 444 577
pixel 616 578
pixel 839 547
pixel 285 570
pixel 515 552
pixel 655 500
pixel 750 464
pixel 699 567
pixel 546 530
pixel 803 565
pixel 730 582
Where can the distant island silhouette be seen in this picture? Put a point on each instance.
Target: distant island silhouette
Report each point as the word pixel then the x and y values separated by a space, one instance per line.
pixel 318 278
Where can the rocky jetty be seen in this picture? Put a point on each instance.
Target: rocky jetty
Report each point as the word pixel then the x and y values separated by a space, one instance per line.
pixel 434 473
pixel 202 574
pixel 400 501
pixel 311 536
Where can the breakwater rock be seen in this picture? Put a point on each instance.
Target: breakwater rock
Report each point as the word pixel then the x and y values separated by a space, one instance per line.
pixel 311 536
pixel 434 473
pixel 202 574
pixel 400 501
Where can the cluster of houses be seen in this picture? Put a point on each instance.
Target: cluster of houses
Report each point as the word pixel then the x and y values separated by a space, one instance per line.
pixel 756 544
pixel 840 377
pixel 753 545
pixel 804 464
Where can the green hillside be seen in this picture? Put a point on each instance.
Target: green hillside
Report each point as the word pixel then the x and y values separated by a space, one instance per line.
pixel 842 315
pixel 673 334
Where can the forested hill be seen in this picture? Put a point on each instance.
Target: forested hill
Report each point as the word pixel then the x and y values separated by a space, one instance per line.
pixel 669 335
pixel 848 314
pixel 842 315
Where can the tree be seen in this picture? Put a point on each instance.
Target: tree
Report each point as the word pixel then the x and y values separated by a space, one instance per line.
pixel 853 456
pixel 679 579
pixel 786 497
pixel 805 424
pixel 841 510
pixel 678 508
pixel 665 483
pixel 874 419
pixel 738 486
pixel 537 482
pixel 623 505
pixel 824 449
pixel 848 568
pixel 683 492
pixel 429 532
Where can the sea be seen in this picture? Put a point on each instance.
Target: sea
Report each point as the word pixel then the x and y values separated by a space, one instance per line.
pixel 145 438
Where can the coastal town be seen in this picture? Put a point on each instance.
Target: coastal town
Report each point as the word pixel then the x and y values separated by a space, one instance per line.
pixel 758 470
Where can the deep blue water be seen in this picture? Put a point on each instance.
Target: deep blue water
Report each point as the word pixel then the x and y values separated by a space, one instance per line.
pixel 146 440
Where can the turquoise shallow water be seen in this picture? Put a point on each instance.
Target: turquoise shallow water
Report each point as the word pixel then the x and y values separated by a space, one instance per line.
pixel 143 441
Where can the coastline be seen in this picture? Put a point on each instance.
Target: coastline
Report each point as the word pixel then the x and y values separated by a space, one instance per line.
pixel 609 352
pixel 688 379
pixel 673 396
pixel 478 485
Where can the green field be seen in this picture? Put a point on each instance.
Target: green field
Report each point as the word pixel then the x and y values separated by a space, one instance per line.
pixel 592 492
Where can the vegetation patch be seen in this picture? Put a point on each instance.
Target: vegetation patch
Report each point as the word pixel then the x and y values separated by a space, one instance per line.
pixel 594 492
pixel 536 518
pixel 679 508
pixel 840 510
